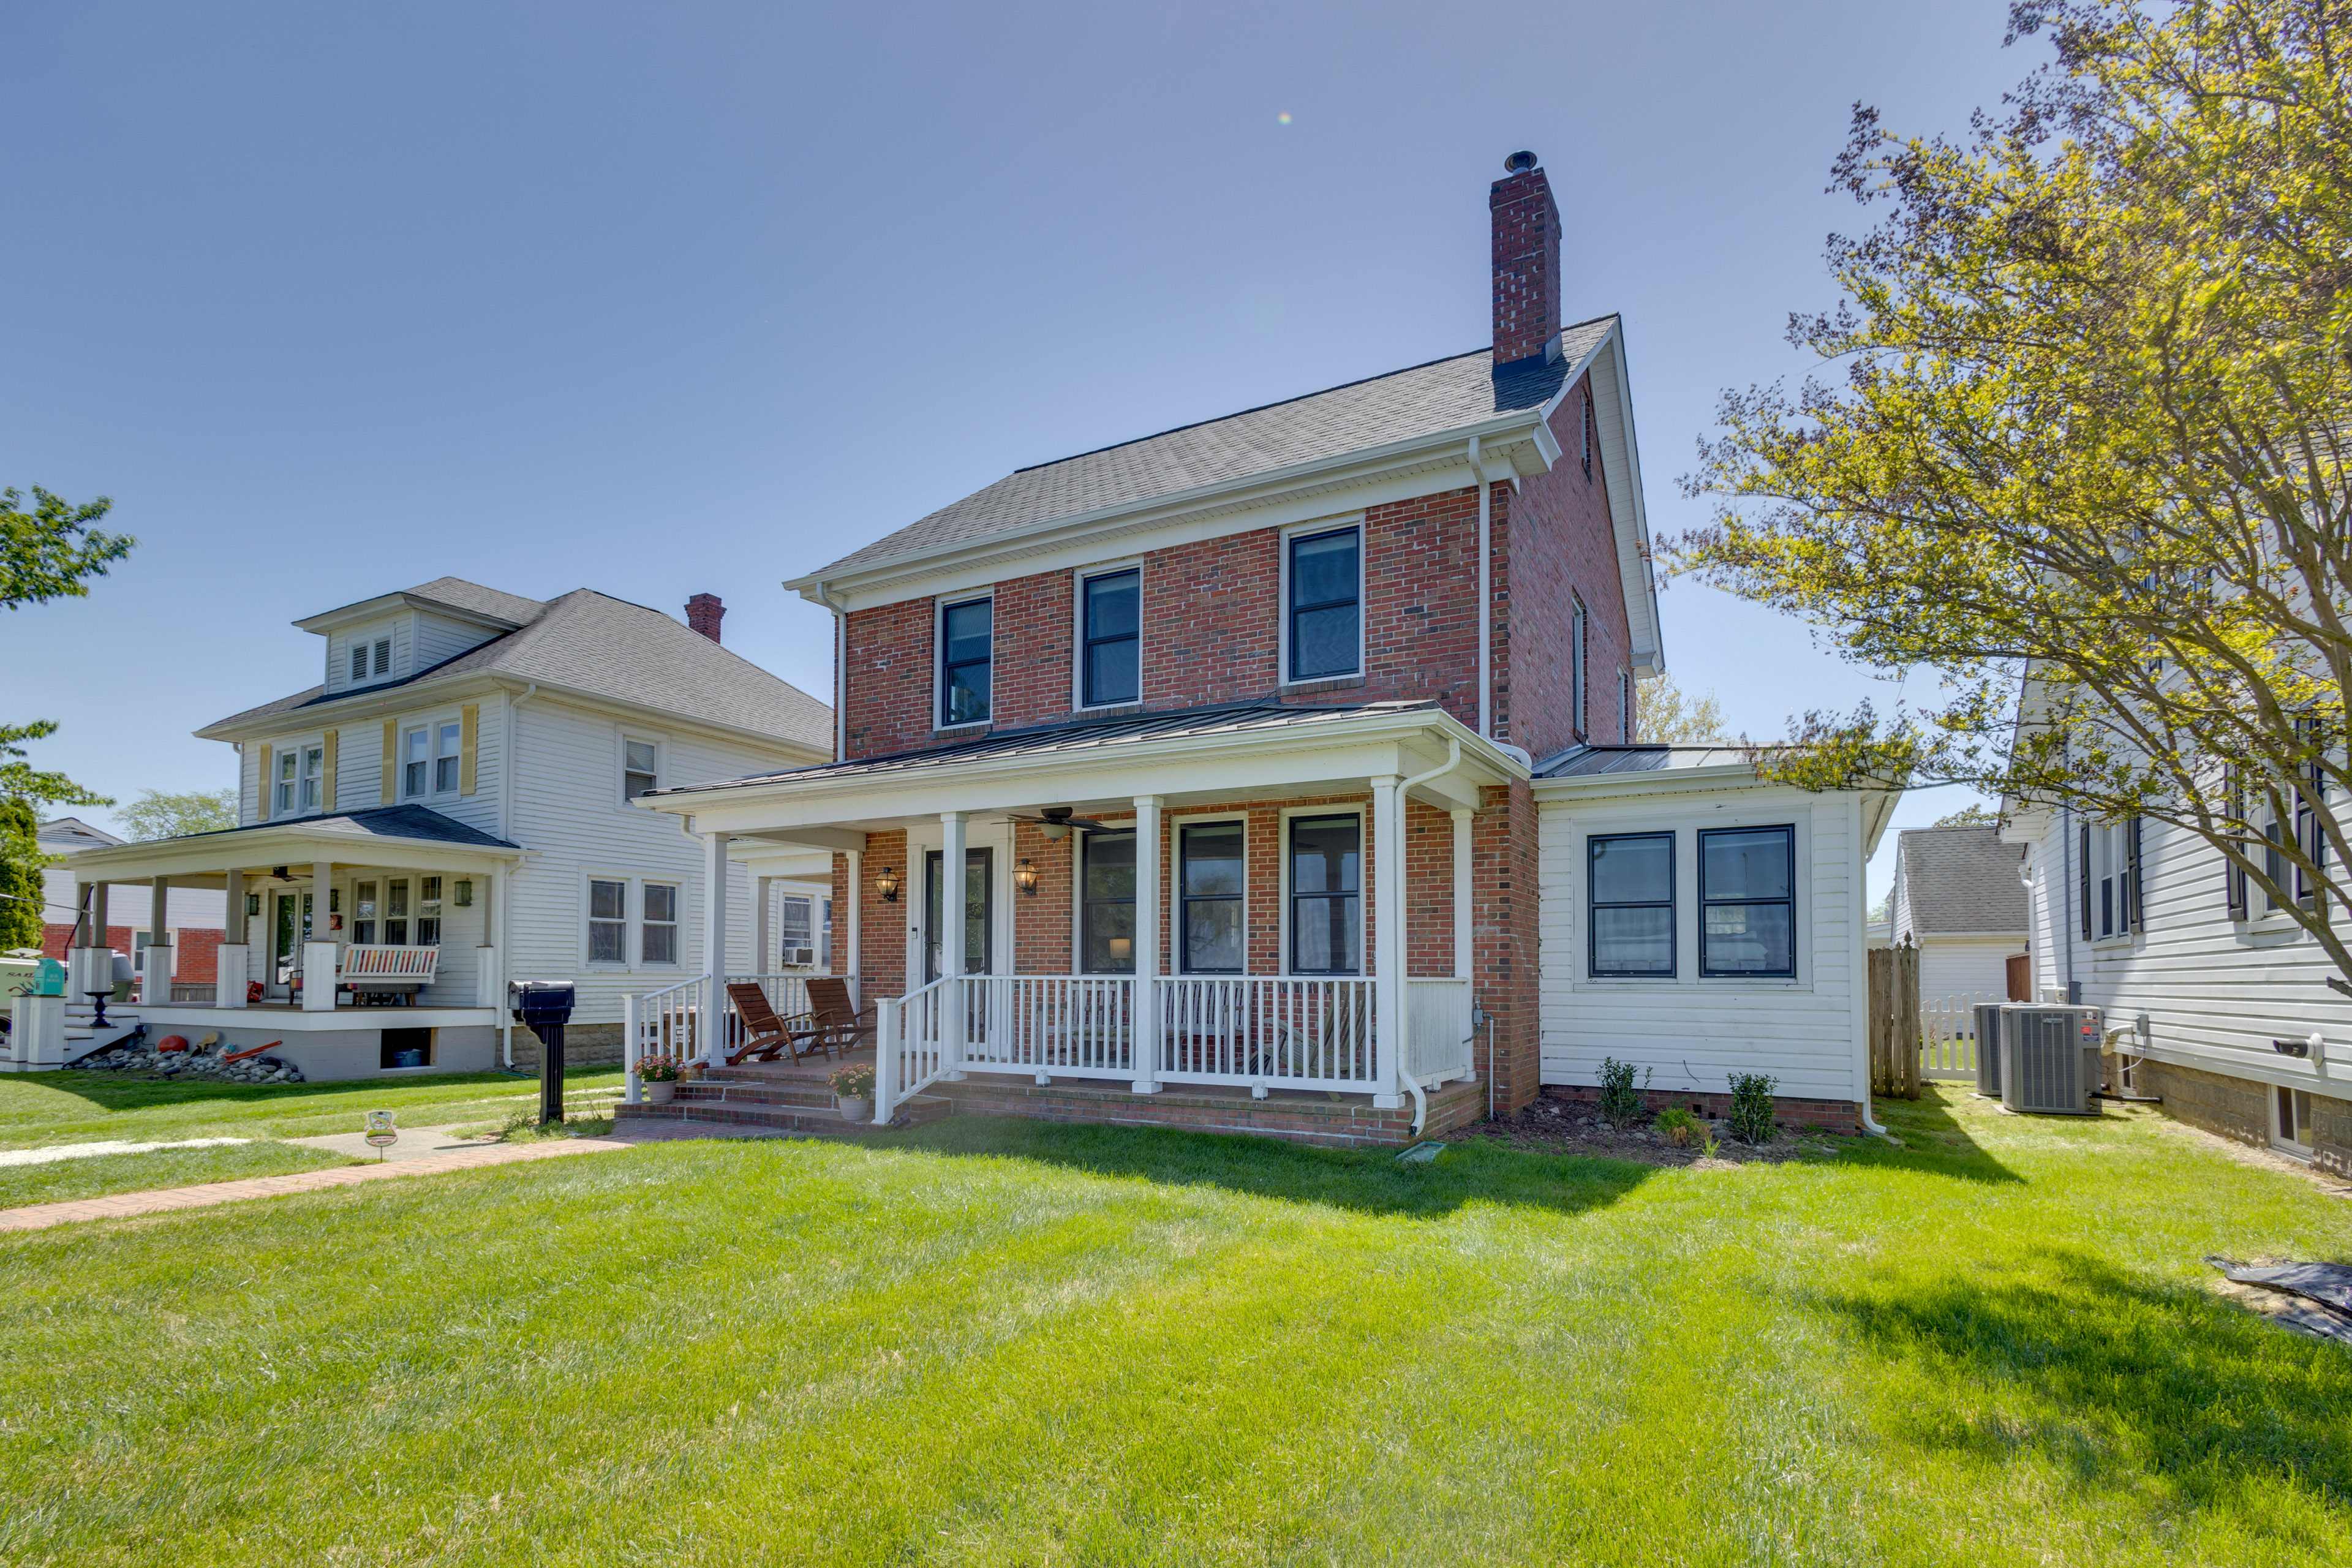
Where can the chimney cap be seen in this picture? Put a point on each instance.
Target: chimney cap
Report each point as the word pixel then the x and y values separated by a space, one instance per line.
pixel 1518 162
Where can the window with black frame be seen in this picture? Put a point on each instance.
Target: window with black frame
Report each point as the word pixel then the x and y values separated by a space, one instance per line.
pixel 1630 882
pixel 1112 633
pixel 1211 853
pixel 967 638
pixel 1325 610
pixel 1327 895
pixel 1747 902
pixel 1107 904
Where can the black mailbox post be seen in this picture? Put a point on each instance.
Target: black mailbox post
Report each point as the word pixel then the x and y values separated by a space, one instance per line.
pixel 545 1007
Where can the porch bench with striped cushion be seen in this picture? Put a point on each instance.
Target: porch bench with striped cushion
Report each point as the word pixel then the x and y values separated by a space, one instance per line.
pixel 411 969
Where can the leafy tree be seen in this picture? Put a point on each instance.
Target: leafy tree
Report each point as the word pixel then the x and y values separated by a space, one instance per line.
pixel 1970 815
pixel 158 814
pixel 44 554
pixel 1664 714
pixel 2088 443
pixel 21 860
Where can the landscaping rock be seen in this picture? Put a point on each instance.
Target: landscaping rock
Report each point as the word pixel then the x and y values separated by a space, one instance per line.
pixel 145 1062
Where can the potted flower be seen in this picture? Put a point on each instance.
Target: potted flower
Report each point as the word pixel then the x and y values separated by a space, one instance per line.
pixel 853 1091
pixel 659 1075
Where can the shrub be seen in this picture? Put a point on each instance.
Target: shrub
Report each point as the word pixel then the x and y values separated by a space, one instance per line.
pixel 855 1082
pixel 1751 1107
pixel 1678 1127
pixel 1620 1103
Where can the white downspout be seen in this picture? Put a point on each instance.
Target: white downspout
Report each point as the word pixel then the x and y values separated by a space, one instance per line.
pixel 1858 959
pixel 840 673
pixel 1486 599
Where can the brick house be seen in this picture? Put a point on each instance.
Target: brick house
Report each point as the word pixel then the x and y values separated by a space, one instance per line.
pixel 1247 737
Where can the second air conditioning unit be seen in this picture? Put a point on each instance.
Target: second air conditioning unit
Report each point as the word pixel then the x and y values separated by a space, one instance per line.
pixel 1988 1017
pixel 799 957
pixel 2049 1060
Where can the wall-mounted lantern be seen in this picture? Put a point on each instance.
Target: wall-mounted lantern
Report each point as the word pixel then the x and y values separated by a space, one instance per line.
pixel 886 882
pixel 1024 876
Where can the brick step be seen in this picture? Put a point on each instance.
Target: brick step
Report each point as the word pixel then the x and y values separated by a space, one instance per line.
pixel 814 1097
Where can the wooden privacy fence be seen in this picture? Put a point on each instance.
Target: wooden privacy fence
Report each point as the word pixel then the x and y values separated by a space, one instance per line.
pixel 1895 1037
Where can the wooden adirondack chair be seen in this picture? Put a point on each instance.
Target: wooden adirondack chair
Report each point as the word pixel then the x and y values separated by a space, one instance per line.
pixel 766 1034
pixel 833 1022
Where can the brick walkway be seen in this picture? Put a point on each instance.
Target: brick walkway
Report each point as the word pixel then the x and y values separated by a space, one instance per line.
pixel 121 1205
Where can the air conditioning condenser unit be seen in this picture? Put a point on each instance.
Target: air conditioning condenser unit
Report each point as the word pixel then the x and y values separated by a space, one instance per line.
pixel 2049 1060
pixel 1988 1032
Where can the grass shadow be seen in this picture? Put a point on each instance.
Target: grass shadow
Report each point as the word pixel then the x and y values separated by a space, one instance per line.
pixel 2116 1378
pixel 1936 1141
pixel 1365 1181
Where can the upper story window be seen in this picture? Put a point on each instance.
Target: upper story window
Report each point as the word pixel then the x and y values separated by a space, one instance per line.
pixel 640 773
pixel 1325 612
pixel 449 741
pixel 966 652
pixel 1110 615
pixel 1579 698
pixel 1747 896
pixel 2110 879
pixel 371 657
pixel 1630 885
pixel 432 760
pixel 289 781
pixel 1586 441
pixel 1327 932
pixel 314 772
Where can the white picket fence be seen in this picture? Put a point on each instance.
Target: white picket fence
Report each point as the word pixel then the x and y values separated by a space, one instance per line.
pixel 1948 1035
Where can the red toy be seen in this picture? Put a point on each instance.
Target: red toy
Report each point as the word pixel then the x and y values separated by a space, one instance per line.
pixel 173 1043
pixel 252 992
pixel 240 1056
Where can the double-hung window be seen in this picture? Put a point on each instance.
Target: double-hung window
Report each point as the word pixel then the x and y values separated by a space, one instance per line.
pixel 1327 932
pixel 363 913
pixel 416 763
pixel 314 772
pixel 395 912
pixel 448 746
pixel 798 942
pixel 1107 904
pixel 1110 635
pixel 1630 887
pixel 657 931
pixel 288 782
pixel 1326 610
pixel 1747 896
pixel 639 770
pixel 1212 897
pixel 428 912
pixel 967 640
pixel 608 922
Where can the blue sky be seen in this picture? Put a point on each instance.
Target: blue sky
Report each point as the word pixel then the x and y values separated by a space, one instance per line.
pixel 667 299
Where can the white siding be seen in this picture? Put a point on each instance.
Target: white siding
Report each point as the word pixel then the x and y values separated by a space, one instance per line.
pixel 568 811
pixel 1959 965
pixel 2216 992
pixel 1694 1033
pixel 437 639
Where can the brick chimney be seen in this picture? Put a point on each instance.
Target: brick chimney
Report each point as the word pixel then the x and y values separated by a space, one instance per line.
pixel 702 614
pixel 1526 262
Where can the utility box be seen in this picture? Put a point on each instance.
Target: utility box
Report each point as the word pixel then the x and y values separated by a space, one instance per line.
pixel 2049 1060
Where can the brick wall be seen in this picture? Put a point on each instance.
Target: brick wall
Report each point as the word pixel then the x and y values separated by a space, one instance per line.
pixel 195 963
pixel 1505 959
pixel 1524 228
pixel 1428 889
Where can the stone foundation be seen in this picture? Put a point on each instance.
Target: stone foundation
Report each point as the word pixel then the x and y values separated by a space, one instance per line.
pixel 1827 1115
pixel 584 1045
pixel 2240 1109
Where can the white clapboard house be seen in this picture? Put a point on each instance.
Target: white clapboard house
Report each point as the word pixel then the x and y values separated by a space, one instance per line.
pixel 1959 898
pixel 448 808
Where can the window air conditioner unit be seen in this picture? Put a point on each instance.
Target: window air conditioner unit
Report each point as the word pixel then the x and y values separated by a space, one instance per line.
pixel 2049 1060
pixel 1988 1018
pixel 800 957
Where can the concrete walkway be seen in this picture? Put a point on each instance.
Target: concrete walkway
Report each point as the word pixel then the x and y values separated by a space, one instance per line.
pixel 413 1143
pixel 123 1205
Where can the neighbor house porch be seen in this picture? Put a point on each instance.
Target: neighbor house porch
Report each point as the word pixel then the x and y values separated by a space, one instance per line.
pixel 1259 904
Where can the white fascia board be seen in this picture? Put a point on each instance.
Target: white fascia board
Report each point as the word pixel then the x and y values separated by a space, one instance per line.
pixel 1668 781
pixel 294 843
pixel 384 603
pixel 1372 476
pixel 1229 766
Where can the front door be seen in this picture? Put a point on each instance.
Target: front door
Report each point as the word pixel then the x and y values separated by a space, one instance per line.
pixel 289 929
pixel 979 905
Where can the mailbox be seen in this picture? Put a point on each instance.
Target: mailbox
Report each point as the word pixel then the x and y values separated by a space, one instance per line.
pixel 544 1006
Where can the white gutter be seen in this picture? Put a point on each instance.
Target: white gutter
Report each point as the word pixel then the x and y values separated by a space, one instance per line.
pixel 840 671
pixel 1485 600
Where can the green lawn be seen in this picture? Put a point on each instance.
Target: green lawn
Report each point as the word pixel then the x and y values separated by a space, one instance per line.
pixel 64 1180
pixel 1002 1342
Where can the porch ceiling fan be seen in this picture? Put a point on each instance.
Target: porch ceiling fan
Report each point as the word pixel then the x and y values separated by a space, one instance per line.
pixel 1055 822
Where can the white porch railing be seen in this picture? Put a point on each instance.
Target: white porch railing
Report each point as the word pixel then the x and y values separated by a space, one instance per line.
pixel 1268 1031
pixel 1948 1035
pixel 912 1043
pixel 660 1023
pixel 1073 1026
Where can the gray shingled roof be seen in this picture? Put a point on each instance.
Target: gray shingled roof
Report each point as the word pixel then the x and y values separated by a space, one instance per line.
pixel 1080 735
pixel 608 647
pixel 376 822
pixel 1961 879
pixel 1425 400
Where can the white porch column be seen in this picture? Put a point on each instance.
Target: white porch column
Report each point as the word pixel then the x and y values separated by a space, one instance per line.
pixel 1147 944
pixel 714 947
pixel 489 982
pixel 159 943
pixel 319 951
pixel 90 970
pixel 1465 945
pixel 764 935
pixel 1388 937
pixel 954 1012
pixel 230 968
pixel 852 962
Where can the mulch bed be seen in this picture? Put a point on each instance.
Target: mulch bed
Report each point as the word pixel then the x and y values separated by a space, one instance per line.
pixel 1557 1127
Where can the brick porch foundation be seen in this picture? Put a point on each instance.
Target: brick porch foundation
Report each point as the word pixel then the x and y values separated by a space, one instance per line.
pixel 1826 1115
